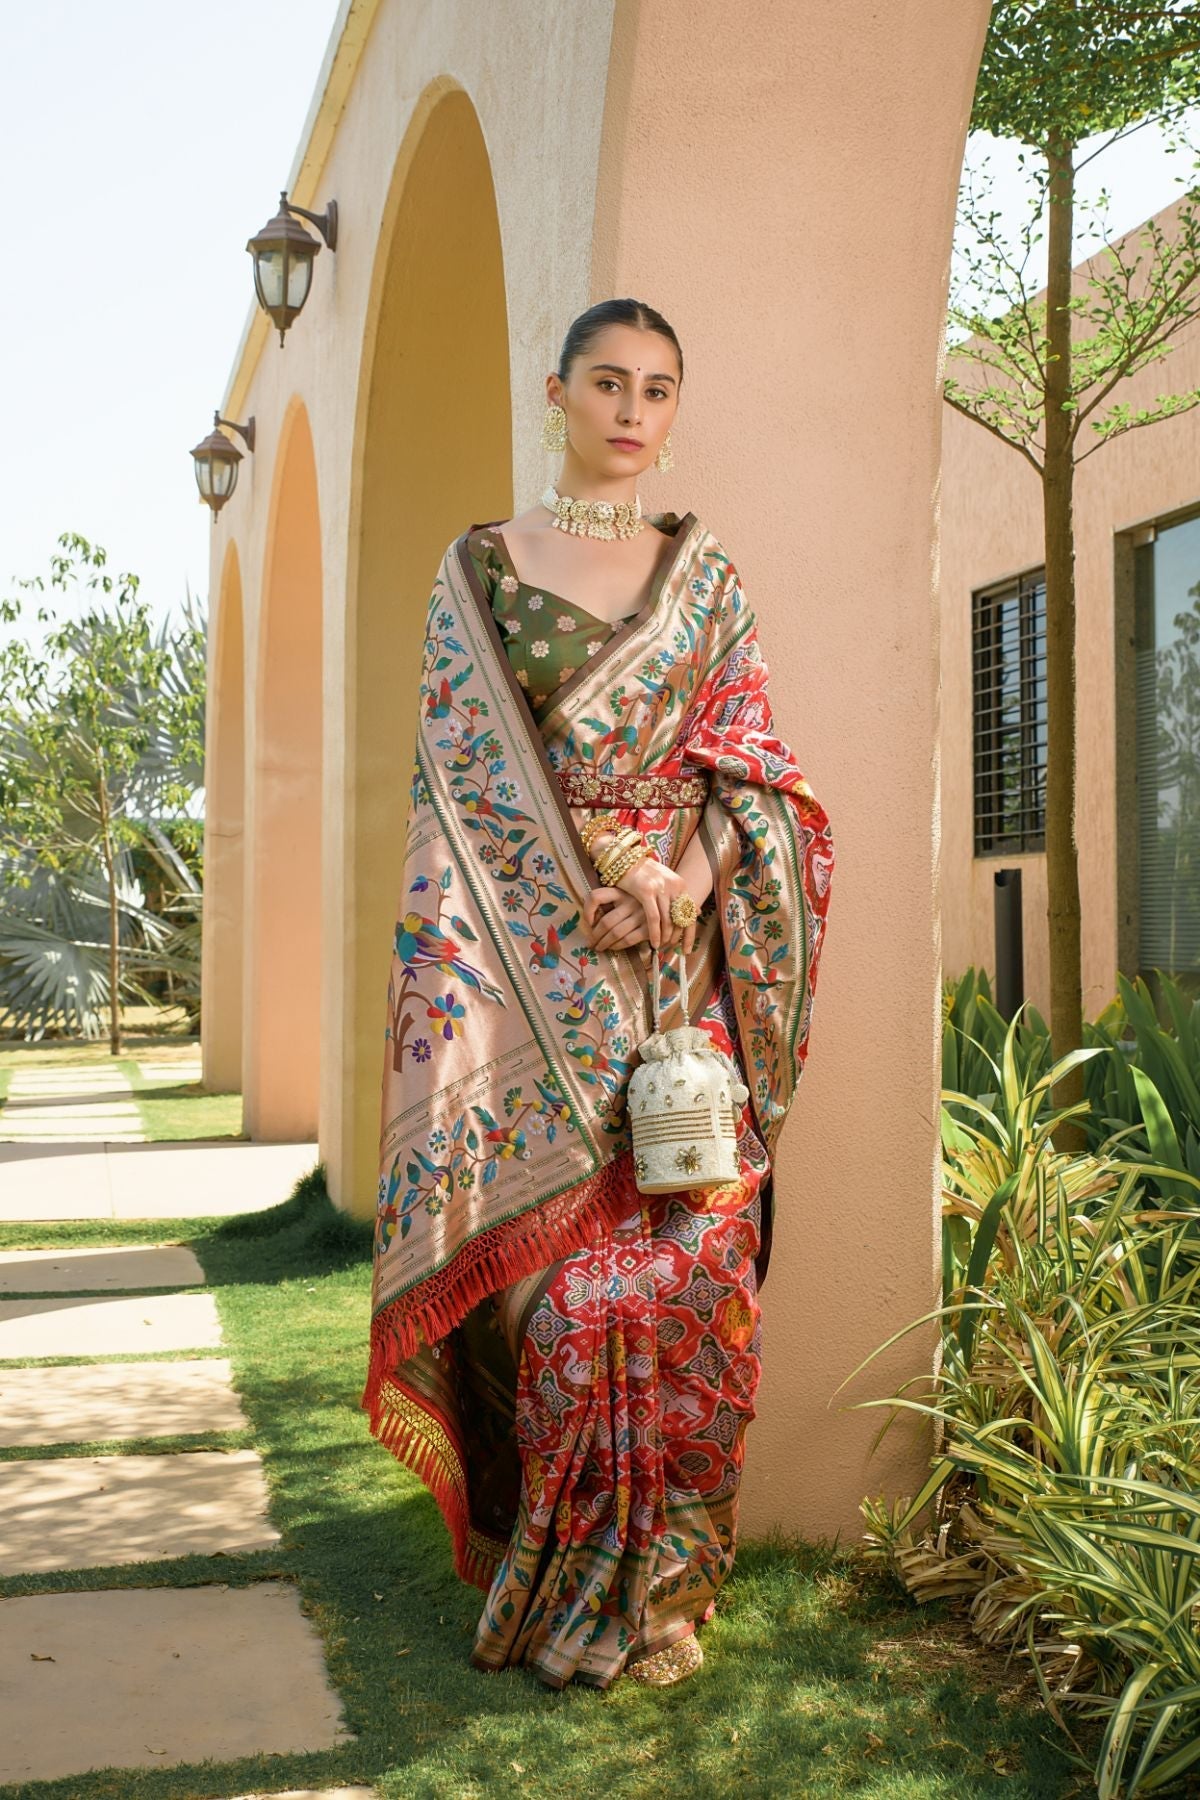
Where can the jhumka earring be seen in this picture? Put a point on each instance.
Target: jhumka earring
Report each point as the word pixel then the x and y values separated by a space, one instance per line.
pixel 664 460
pixel 554 428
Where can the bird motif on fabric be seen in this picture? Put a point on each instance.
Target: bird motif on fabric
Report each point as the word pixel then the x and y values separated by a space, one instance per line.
pixel 421 944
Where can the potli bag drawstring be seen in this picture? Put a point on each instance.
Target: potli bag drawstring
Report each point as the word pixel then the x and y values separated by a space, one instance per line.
pixel 683 1104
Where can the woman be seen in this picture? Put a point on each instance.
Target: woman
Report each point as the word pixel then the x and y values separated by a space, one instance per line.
pixel 568 1364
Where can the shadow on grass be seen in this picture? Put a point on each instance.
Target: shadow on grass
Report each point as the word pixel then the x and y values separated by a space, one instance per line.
pixel 820 1677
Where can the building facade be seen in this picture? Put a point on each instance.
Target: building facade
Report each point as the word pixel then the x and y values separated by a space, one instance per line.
pixel 780 182
pixel 1137 650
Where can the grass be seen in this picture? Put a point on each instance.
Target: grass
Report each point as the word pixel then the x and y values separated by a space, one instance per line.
pixel 174 1112
pixel 821 1679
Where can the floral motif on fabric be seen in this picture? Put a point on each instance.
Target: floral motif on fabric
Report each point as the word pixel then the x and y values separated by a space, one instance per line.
pixel 637 1380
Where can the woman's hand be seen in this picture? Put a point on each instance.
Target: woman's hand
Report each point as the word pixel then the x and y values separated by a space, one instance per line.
pixel 638 909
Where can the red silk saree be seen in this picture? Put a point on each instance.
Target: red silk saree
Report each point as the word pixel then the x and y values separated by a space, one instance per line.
pixel 569 1365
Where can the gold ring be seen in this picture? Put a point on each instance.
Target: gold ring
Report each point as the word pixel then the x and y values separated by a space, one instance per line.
pixel 683 909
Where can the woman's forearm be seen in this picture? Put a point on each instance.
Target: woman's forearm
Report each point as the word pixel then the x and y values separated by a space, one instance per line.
pixel 693 867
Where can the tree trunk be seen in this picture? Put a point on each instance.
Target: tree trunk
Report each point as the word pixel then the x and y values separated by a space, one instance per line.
pixel 114 929
pixel 1062 863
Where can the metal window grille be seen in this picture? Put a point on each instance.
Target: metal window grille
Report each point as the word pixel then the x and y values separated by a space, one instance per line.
pixel 1167 685
pixel 1008 639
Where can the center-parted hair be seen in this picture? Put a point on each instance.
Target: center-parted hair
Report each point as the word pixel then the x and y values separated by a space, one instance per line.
pixel 583 331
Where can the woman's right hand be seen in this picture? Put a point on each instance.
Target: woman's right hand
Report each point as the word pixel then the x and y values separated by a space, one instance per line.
pixel 638 912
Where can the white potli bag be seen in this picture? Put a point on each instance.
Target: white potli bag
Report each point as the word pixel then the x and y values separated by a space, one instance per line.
pixel 684 1101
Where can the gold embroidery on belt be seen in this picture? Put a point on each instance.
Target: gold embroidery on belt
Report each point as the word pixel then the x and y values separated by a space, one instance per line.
pixel 583 789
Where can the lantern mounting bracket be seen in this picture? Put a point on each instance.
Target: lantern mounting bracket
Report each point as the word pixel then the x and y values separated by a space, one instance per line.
pixel 245 432
pixel 326 222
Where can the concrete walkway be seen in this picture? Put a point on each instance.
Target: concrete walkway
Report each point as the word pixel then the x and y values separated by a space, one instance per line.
pixel 72 1146
pixel 125 1180
pixel 79 1104
pixel 119 1677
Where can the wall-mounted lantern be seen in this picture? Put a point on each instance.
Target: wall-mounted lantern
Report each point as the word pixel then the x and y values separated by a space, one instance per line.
pixel 283 255
pixel 216 462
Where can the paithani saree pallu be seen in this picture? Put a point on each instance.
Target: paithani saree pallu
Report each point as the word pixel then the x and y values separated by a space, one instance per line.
pixel 567 1364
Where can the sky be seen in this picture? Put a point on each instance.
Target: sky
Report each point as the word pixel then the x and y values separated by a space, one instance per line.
pixel 142 145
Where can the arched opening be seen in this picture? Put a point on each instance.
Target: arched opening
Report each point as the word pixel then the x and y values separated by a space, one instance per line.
pixel 281 1057
pixel 224 817
pixel 433 453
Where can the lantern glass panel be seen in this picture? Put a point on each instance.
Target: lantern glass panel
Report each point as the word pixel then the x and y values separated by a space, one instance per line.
pixel 203 476
pixel 269 265
pixel 299 278
pixel 224 477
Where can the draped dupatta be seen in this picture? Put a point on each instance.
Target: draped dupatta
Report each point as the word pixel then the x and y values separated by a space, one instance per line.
pixel 509 1041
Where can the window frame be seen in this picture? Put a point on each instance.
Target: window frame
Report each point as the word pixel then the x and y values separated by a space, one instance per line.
pixel 990 837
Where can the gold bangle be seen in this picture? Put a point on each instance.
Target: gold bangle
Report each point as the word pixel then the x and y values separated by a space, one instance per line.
pixel 592 828
pixel 603 822
pixel 624 840
pixel 624 836
pixel 628 840
pixel 620 866
pixel 611 877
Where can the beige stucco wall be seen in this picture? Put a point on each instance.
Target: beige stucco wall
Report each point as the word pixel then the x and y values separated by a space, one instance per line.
pixel 809 291
pixel 781 183
pixel 991 529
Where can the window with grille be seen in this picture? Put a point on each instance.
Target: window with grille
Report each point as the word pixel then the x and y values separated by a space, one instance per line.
pixel 1008 638
pixel 1167 669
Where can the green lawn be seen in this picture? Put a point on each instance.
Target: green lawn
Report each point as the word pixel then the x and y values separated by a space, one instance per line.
pixel 175 1111
pixel 820 1678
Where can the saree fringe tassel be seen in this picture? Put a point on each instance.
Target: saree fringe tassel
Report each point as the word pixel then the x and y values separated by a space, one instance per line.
pixel 506 1253
pixel 421 1441
pixel 405 1422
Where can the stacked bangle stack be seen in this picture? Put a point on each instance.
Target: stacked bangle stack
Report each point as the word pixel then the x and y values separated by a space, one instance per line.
pixel 627 848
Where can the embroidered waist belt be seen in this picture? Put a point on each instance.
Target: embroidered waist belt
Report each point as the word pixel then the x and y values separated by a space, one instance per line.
pixel 581 788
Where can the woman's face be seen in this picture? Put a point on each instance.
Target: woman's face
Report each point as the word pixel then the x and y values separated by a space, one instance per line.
pixel 626 386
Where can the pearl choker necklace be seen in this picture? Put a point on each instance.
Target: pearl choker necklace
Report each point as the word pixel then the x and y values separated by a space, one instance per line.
pixel 594 518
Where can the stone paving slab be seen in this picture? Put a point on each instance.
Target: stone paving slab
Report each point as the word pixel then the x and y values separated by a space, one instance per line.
pixel 108 1325
pixel 72 1104
pixel 354 1793
pixel 69 1106
pixel 117 1400
pixel 38 1086
pixel 161 1072
pixel 83 1512
pixel 54 1181
pixel 72 1131
pixel 81 1075
pixel 41 1182
pixel 91 1270
pixel 60 1125
pixel 150 1677
pixel 188 1181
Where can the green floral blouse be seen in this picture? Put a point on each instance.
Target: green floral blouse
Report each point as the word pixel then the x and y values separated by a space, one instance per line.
pixel 547 637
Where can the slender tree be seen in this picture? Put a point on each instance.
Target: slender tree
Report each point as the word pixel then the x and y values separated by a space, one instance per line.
pixel 98 735
pixel 1042 370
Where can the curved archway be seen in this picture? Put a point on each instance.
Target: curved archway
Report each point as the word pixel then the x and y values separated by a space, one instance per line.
pixel 432 453
pixel 224 815
pixel 281 1054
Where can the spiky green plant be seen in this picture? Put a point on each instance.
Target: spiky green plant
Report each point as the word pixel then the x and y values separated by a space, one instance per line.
pixel 1064 1497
